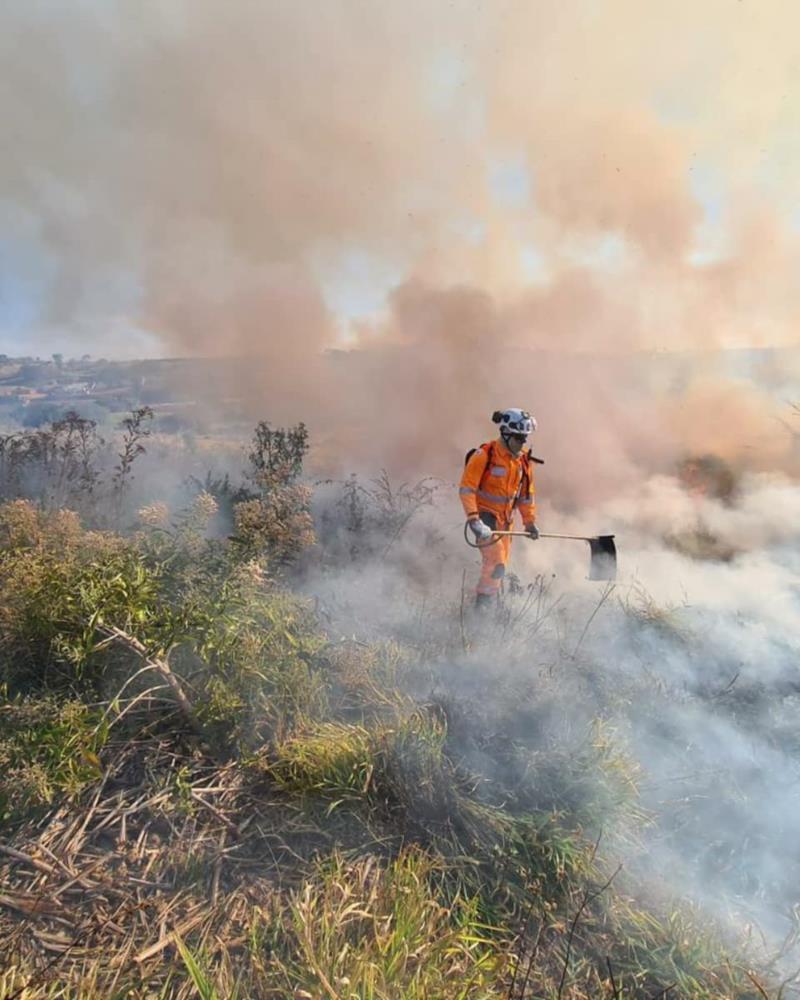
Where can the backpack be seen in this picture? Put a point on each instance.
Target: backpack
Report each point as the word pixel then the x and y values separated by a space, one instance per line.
pixel 488 448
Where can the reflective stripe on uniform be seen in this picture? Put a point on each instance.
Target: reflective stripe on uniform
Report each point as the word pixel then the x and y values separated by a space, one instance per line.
pixel 525 502
pixel 493 497
pixel 467 489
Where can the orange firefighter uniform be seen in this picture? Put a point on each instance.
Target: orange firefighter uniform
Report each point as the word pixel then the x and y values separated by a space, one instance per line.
pixel 494 483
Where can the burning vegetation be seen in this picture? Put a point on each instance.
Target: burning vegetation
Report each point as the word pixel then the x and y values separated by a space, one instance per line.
pixel 705 477
pixel 208 788
pixel 253 742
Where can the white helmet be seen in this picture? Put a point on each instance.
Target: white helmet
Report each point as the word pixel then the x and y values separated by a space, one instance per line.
pixel 513 421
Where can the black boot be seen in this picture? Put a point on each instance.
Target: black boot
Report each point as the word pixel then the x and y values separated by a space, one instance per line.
pixel 483 602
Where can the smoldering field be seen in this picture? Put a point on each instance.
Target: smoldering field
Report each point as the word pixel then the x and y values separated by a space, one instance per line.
pixel 684 673
pixel 396 218
pixel 691 660
pixel 688 664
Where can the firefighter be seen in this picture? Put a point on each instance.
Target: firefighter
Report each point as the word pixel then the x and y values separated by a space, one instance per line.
pixel 498 477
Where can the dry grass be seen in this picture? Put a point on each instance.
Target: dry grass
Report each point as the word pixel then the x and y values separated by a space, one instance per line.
pixel 102 896
pixel 295 823
pixel 174 876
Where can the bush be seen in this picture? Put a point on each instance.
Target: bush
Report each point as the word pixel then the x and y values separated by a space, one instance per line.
pixel 365 520
pixel 68 464
pixel 48 748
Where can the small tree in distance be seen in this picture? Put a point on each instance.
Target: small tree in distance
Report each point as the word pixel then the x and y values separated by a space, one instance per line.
pixel 275 519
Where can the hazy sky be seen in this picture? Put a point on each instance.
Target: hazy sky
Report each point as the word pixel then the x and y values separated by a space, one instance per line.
pixel 173 168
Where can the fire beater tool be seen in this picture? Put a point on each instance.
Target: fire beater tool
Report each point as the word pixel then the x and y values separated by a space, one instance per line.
pixel 603 563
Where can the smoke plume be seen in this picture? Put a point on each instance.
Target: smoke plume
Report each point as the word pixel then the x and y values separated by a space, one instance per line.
pixel 545 191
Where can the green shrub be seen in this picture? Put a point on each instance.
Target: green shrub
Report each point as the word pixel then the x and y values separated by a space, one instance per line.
pixel 47 749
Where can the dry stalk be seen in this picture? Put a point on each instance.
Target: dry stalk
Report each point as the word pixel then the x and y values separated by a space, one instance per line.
pixel 166 940
pixel 614 987
pixel 161 665
pixel 607 592
pixel 588 897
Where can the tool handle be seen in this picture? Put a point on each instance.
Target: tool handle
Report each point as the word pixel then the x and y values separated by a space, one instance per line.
pixel 524 534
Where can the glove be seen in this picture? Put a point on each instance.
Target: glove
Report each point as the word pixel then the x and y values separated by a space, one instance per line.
pixel 481 531
pixel 532 531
